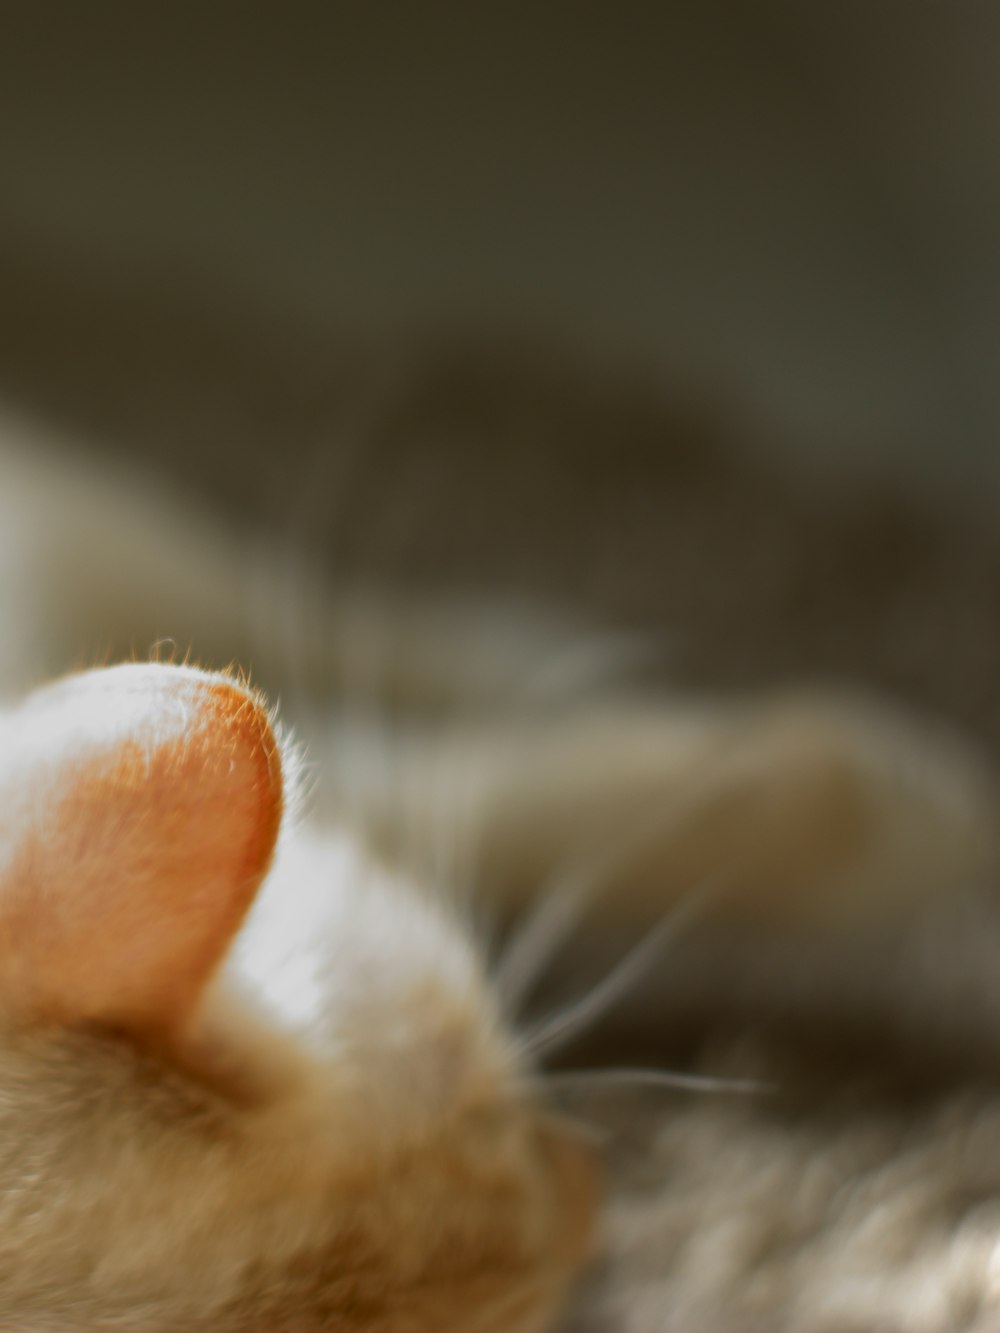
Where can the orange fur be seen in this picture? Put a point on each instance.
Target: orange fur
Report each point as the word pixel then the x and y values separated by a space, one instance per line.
pixel 143 807
pixel 139 1183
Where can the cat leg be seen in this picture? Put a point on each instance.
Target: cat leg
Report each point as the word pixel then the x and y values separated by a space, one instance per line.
pixel 823 862
pixel 789 809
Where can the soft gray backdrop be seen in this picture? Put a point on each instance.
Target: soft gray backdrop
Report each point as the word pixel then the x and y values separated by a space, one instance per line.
pixel 797 202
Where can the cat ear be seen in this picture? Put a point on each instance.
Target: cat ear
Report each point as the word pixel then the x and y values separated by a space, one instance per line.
pixel 139 808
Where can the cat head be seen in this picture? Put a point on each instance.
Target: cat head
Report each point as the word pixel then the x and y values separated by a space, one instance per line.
pixel 323 1127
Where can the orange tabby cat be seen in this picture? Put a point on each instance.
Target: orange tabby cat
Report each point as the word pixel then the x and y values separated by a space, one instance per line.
pixel 252 1076
pixel 174 1156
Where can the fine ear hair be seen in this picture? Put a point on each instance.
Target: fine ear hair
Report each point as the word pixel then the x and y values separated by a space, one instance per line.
pixel 139 809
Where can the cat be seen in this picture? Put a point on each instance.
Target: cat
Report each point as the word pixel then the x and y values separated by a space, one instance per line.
pixel 177 1159
pixel 256 1070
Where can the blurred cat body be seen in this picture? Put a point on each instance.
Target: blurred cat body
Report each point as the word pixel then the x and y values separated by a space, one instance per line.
pixel 309 1111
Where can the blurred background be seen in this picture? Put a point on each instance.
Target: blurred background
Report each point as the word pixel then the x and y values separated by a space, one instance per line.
pixel 685 316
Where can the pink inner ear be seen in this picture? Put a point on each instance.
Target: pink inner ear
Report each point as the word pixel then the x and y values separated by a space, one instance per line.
pixel 139 808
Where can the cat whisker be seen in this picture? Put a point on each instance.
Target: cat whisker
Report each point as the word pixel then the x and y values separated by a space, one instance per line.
pixel 669 1080
pixel 562 903
pixel 542 935
pixel 555 1031
pixel 560 1028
